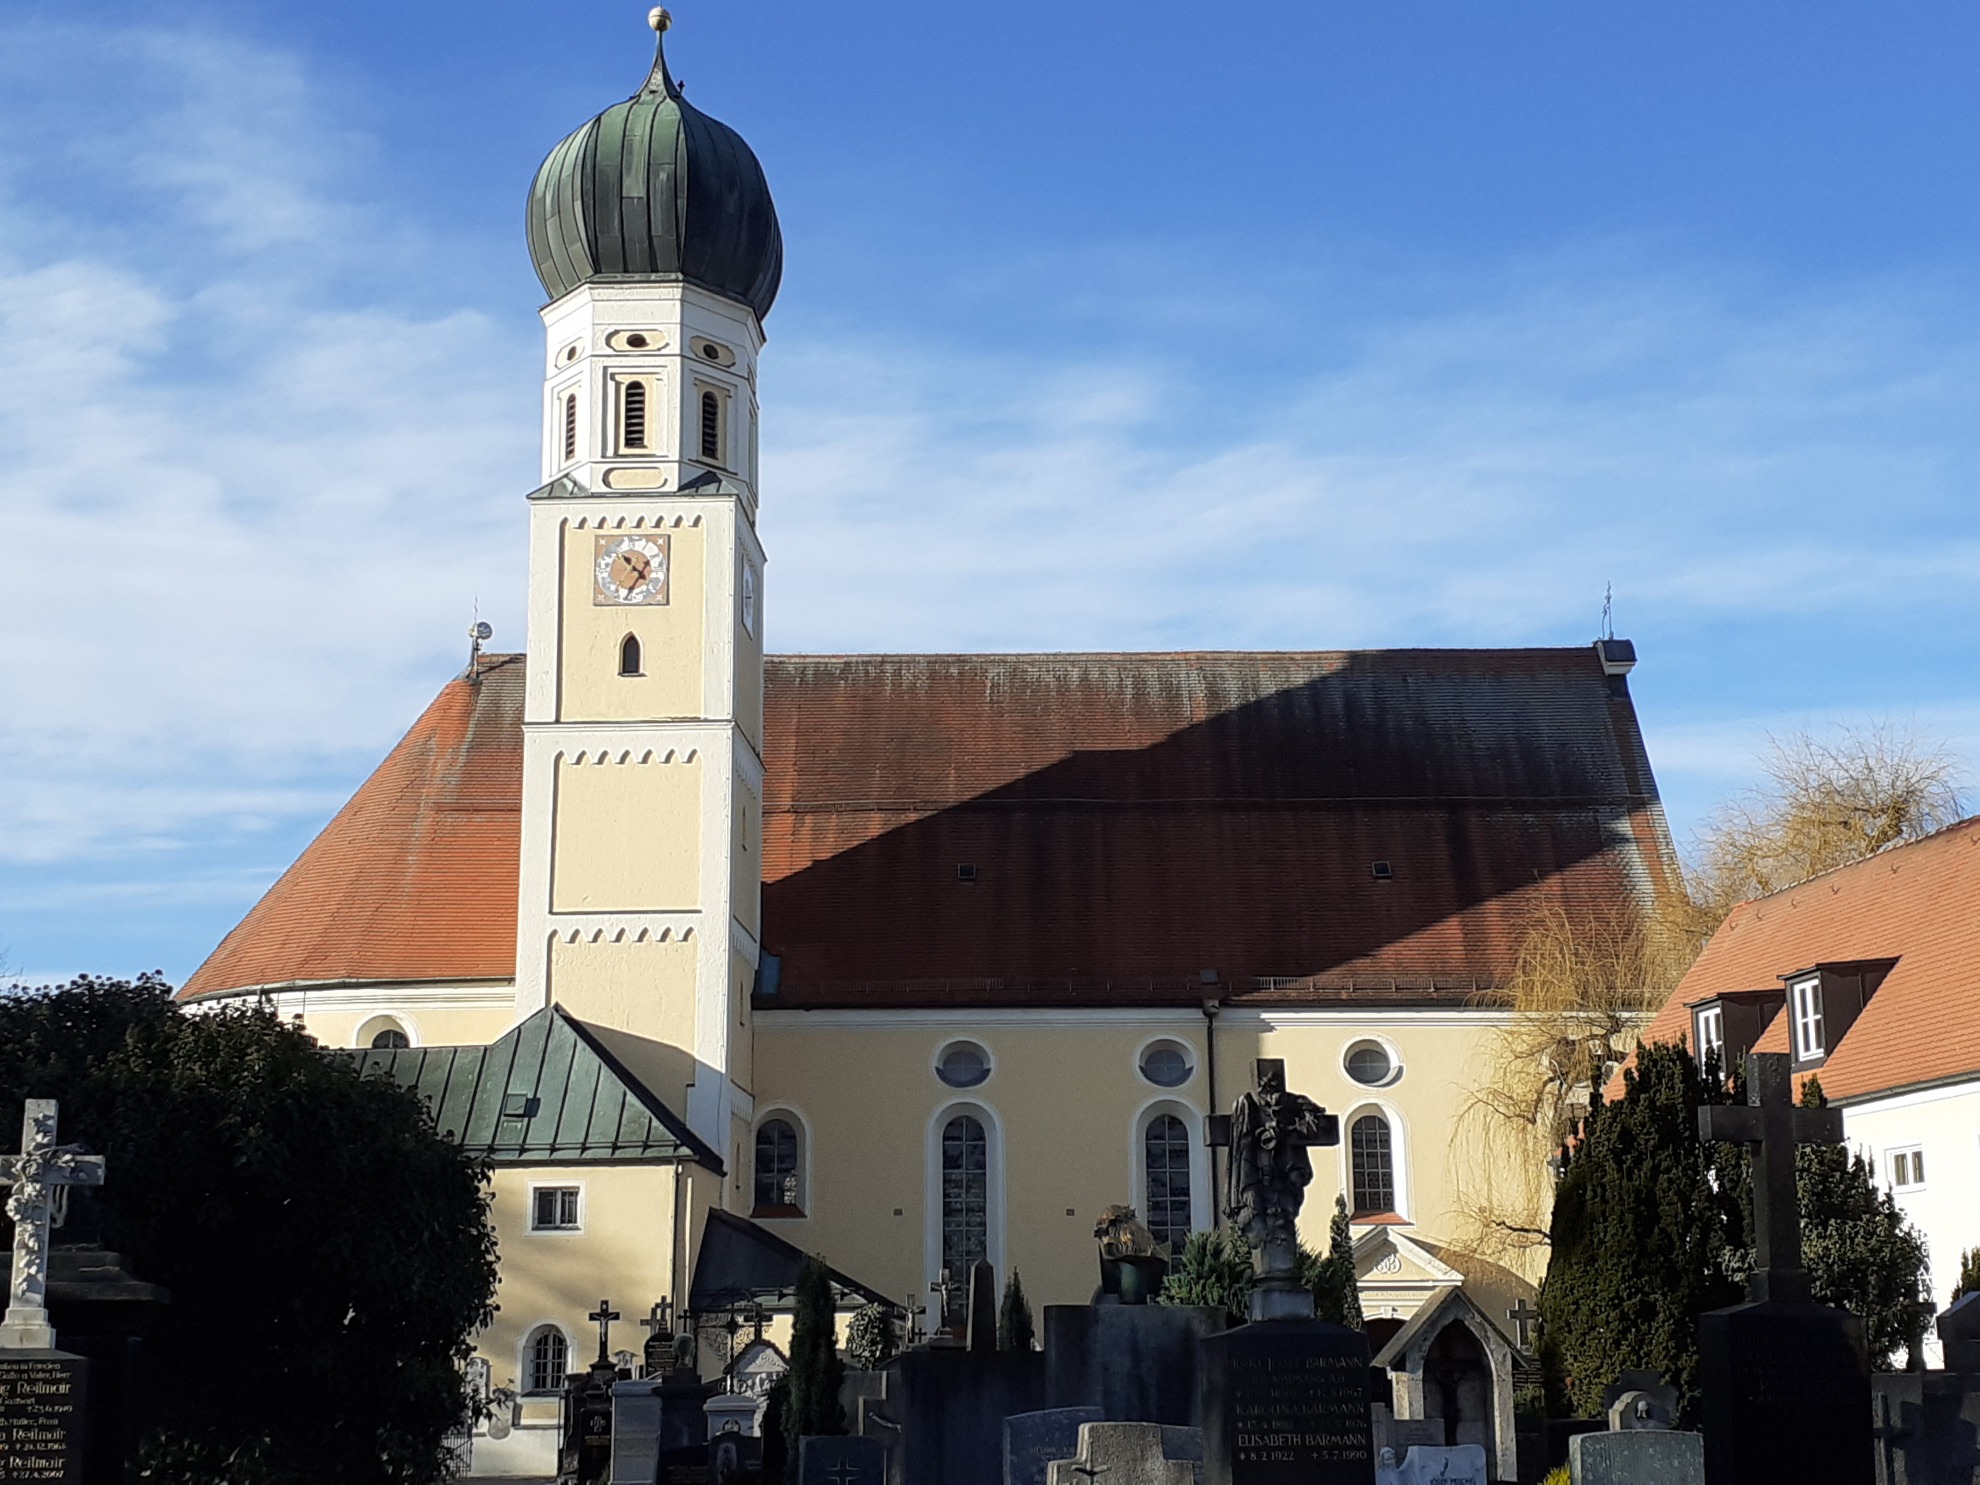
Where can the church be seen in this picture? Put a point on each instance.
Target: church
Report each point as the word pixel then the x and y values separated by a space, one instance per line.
pixel 906 960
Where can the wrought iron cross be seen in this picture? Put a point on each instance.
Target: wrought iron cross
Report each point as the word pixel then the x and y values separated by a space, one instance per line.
pixel 38 1178
pixel 604 1315
pixel 1523 1315
pixel 1771 1125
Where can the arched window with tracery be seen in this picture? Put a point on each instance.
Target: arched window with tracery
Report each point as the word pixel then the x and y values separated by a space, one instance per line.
pixel 965 1205
pixel 1165 1177
pixel 779 1177
pixel 546 1360
pixel 1371 1153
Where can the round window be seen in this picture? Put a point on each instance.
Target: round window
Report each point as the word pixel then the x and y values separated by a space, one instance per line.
pixel 1166 1065
pixel 963 1065
pixel 636 342
pixel 1370 1064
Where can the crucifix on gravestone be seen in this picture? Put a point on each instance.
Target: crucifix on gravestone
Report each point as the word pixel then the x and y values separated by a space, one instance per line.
pixel 1772 1127
pixel 1523 1315
pixel 659 1347
pixel 604 1315
pixel 38 1178
pixel 943 1289
pixel 914 1310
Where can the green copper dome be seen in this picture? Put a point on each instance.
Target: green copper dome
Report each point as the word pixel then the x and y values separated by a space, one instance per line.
pixel 654 188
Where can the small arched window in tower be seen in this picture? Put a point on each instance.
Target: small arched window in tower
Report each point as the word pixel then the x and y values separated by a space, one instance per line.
pixel 570 426
pixel 629 655
pixel 548 1360
pixel 1372 1156
pixel 632 416
pixel 779 1191
pixel 1165 1173
pixel 711 427
pixel 389 1040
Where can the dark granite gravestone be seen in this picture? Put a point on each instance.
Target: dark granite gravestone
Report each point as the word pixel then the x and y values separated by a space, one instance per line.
pixel 982 1306
pixel 1959 1334
pixel 1285 1402
pixel 1136 1363
pixel 1927 1427
pixel 1034 1440
pixel 1784 1383
pixel 846 1460
pixel 42 1395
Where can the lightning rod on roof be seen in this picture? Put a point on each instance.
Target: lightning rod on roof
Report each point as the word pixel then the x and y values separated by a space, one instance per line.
pixel 479 633
pixel 1608 610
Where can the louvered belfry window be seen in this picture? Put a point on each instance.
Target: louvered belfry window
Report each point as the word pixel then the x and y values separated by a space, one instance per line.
pixel 633 417
pixel 965 1206
pixel 1165 1149
pixel 570 427
pixel 711 427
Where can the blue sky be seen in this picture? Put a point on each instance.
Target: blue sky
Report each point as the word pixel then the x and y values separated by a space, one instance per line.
pixel 1300 325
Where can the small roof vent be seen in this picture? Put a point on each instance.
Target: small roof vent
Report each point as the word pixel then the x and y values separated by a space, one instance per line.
pixel 1382 871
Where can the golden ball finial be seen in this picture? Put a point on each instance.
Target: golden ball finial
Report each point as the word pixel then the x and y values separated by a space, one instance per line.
pixel 658 18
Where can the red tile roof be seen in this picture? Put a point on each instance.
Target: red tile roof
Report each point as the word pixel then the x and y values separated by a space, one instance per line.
pixel 1132 819
pixel 415 878
pixel 1918 904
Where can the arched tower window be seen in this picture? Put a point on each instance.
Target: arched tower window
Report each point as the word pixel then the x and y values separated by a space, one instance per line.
pixel 570 426
pixel 779 1178
pixel 1165 1171
pixel 390 1039
pixel 965 1205
pixel 1373 1165
pixel 546 1360
pixel 629 655
pixel 632 415
pixel 711 427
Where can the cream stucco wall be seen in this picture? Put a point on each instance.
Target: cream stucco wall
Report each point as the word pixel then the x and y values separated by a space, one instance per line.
pixel 627 833
pixel 1065 1108
pixel 670 633
pixel 642 986
pixel 431 1015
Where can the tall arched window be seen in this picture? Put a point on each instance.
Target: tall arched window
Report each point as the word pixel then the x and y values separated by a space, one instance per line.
pixel 546 1360
pixel 1373 1163
pixel 1165 1169
pixel 632 415
pixel 629 655
pixel 570 427
pixel 965 1205
pixel 779 1188
pixel 711 427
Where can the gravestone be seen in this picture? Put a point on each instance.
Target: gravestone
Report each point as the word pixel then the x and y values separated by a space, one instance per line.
pixel 1959 1334
pixel 1406 1434
pixel 1639 1457
pixel 637 1418
pixel 1033 1440
pixel 982 1306
pixel 1285 1402
pixel 1927 1428
pixel 1662 1396
pixel 844 1460
pixel 1125 1453
pixel 42 1396
pixel 1461 1464
pixel 1641 1412
pixel 1784 1382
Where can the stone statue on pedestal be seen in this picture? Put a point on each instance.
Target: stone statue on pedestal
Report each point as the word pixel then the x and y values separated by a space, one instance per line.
pixel 1271 1131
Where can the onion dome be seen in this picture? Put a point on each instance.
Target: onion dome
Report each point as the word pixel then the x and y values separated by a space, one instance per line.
pixel 653 188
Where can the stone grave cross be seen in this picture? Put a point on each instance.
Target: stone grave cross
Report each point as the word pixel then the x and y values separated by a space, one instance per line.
pixel 604 1315
pixel 38 1178
pixel 1771 1125
pixel 1523 1315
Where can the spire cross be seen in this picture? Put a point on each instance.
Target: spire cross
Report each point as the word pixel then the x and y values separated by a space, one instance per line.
pixel 604 1315
pixel 38 1178
pixel 1770 1124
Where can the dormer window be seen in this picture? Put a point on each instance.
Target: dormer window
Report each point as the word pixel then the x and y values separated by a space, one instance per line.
pixel 1709 1026
pixel 1806 1002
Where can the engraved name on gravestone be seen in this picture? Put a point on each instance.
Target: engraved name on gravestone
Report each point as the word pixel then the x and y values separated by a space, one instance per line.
pixel 1287 1403
pixel 41 1416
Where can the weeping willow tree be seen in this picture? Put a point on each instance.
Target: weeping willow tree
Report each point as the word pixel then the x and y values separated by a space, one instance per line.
pixel 1583 987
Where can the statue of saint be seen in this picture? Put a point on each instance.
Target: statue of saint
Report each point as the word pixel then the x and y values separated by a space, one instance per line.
pixel 1270 1170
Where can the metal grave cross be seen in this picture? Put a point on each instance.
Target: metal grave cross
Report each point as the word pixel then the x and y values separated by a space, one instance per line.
pixel 604 1315
pixel 660 1320
pixel 914 1310
pixel 944 1289
pixel 1523 1315
pixel 38 1178
pixel 1773 1127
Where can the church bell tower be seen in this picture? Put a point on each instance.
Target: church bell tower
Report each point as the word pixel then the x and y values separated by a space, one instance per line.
pixel 654 234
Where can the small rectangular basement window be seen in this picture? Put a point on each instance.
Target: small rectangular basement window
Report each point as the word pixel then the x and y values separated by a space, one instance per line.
pixel 554 1209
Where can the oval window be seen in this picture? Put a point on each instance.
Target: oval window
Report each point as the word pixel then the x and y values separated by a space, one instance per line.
pixel 1167 1065
pixel 1370 1064
pixel 963 1065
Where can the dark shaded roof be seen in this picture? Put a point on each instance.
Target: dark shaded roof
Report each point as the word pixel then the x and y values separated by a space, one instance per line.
pixel 740 1261
pixel 1918 904
pixel 1452 1304
pixel 415 878
pixel 1135 819
pixel 547 1092
pixel 655 188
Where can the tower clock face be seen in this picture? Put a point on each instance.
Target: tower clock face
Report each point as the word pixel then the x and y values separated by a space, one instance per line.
pixel 630 569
